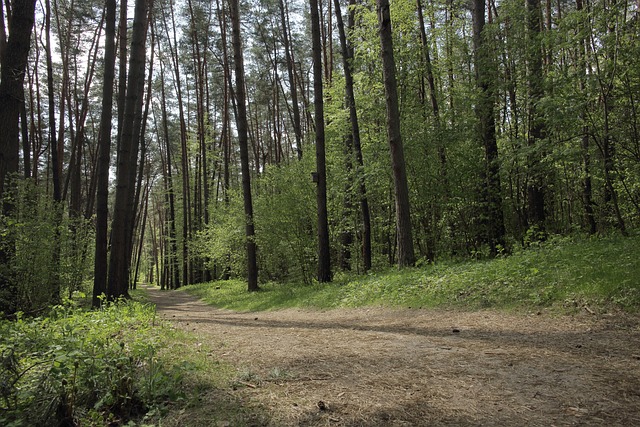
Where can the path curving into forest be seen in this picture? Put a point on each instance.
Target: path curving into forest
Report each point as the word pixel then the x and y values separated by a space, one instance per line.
pixel 388 367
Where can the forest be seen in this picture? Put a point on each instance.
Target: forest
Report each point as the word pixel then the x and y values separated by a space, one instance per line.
pixel 178 143
pixel 283 145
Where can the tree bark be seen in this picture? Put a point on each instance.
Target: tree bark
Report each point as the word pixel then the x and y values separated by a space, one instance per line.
pixel 535 185
pixel 324 257
pixel 243 140
pixel 347 58
pixel 12 70
pixel 587 192
pixel 406 256
pixel 172 276
pixel 53 141
pixel 124 211
pixel 491 194
pixel 297 127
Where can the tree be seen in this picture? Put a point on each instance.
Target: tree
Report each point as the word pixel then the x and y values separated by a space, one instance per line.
pixel 297 127
pixel 587 192
pixel 404 237
pixel 354 148
pixel 243 141
pixel 324 256
pixel 13 63
pixel 104 154
pixel 124 209
pixel 535 185
pixel 486 132
pixel 12 72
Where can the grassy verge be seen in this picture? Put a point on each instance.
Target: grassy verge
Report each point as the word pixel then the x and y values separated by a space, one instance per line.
pixel 562 273
pixel 115 366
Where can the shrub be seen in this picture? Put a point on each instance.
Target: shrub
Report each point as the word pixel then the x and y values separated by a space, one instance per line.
pixel 81 367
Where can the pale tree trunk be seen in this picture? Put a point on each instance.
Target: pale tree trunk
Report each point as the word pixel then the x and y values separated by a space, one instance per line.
pixel 406 255
pixel 243 140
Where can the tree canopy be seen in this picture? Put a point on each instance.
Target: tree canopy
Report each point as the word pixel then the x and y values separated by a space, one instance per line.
pixel 175 145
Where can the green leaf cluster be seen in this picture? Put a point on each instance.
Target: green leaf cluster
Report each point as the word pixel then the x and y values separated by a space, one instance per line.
pixel 77 367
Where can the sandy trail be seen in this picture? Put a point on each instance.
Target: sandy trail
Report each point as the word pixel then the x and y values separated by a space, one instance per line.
pixel 386 367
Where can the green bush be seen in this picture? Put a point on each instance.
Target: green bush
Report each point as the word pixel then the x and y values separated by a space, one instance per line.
pixel 48 254
pixel 79 367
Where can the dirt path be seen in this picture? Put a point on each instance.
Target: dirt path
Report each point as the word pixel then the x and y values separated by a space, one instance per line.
pixel 384 367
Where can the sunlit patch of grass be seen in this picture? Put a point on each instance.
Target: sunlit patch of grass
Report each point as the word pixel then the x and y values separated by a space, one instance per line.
pixel 561 273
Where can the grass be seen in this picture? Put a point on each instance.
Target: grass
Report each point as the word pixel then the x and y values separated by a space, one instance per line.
pixel 203 384
pixel 119 365
pixel 561 273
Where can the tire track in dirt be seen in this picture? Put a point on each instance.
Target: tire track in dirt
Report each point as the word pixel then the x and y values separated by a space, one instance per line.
pixel 388 367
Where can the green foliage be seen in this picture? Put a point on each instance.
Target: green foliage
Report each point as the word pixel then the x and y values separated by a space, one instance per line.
pixel 50 253
pixel 285 223
pixel 561 273
pixel 79 367
pixel 222 241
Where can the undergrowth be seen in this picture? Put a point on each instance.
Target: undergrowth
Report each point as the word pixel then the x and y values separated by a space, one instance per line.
pixel 80 367
pixel 561 273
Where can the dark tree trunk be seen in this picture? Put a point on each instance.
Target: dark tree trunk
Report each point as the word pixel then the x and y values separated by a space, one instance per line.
pixel 172 276
pixel 406 256
pixel 535 185
pixel 297 127
pixel 26 148
pixel 324 256
pixel 122 64
pixel 587 193
pixel 53 142
pixel 104 150
pixel 347 58
pixel 243 140
pixel 12 70
pixel 124 211
pixel 494 230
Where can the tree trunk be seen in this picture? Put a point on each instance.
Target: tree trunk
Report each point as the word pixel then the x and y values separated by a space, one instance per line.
pixel 12 70
pixel 297 127
pixel 535 185
pixel 243 140
pixel 406 256
pixel 172 276
pixel 494 231
pixel 324 257
pixel 53 142
pixel 184 159
pixel 347 58
pixel 587 193
pixel 104 149
pixel 124 211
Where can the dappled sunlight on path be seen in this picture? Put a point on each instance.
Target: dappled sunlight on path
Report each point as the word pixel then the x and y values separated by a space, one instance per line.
pixel 378 366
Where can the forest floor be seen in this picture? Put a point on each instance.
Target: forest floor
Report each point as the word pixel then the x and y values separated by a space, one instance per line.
pixel 405 367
